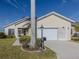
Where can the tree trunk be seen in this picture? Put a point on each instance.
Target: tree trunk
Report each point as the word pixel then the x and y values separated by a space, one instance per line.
pixel 33 25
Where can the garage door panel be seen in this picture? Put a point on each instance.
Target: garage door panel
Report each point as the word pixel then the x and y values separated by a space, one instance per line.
pixel 50 34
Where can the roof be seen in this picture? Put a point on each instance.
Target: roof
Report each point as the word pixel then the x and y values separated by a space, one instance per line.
pixel 56 14
pixel 40 18
pixel 19 21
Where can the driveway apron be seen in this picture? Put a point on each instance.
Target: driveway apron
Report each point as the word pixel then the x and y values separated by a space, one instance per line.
pixel 64 49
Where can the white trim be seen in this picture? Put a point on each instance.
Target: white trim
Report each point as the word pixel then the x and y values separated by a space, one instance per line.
pixel 18 21
pixel 57 14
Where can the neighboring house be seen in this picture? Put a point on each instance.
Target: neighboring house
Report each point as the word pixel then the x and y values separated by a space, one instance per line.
pixel 56 27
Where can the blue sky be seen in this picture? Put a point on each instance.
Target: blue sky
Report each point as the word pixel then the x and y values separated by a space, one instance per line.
pixel 12 10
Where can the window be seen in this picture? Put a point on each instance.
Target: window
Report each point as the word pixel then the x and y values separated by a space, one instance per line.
pixel 20 31
pixel 11 31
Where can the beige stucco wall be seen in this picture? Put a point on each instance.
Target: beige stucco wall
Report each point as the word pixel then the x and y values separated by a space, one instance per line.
pixel 56 22
pixel 9 27
pixel 19 25
pixel 73 30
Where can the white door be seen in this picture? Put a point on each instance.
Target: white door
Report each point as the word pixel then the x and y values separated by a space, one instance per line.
pixel 50 34
pixel 61 34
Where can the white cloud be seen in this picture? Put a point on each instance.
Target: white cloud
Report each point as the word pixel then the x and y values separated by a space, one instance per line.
pixel 64 1
pixel 12 3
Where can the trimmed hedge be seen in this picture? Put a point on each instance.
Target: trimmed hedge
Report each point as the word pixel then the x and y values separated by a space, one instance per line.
pixel 2 35
pixel 75 38
pixel 10 36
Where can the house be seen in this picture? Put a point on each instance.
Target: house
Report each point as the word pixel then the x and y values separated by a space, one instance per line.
pixel 55 27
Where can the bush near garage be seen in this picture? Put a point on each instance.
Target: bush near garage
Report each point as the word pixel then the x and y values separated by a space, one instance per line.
pixel 38 42
pixel 25 39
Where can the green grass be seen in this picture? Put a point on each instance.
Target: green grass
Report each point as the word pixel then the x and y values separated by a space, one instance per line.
pixel 6 42
pixel 7 51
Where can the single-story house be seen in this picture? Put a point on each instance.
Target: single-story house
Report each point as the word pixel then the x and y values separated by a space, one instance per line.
pixel 55 27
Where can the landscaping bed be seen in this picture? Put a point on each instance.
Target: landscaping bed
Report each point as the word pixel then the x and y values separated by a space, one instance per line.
pixel 25 41
pixel 7 51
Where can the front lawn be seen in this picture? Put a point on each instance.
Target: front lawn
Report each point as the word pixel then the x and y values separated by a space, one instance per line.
pixel 7 51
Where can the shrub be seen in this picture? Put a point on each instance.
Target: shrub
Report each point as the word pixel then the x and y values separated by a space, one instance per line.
pixel 2 35
pixel 25 39
pixel 10 36
pixel 75 38
pixel 38 42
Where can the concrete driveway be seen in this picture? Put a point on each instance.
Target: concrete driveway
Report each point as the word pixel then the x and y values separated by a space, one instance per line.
pixel 64 49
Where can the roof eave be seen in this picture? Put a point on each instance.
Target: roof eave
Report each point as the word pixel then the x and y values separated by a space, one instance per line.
pixel 55 13
pixel 26 18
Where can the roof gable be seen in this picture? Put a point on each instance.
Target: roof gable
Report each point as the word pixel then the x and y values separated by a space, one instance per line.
pixel 56 14
pixel 19 21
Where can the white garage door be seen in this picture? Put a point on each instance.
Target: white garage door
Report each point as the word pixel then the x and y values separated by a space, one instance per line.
pixel 50 34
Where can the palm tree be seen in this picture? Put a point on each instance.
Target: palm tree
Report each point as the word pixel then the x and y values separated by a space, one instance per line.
pixel 33 22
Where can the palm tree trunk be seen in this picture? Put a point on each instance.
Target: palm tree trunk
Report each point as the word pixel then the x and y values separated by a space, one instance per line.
pixel 33 25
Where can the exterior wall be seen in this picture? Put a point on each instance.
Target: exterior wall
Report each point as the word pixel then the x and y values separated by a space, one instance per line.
pixel 73 31
pixel 9 27
pixel 56 22
pixel 20 25
pixel 29 33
